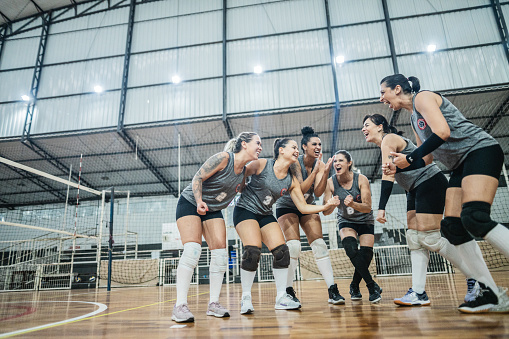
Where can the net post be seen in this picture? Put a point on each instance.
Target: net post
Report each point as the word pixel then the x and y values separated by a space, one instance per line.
pixel 110 241
pixel 99 243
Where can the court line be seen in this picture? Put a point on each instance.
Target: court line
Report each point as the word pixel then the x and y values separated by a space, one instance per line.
pixel 84 317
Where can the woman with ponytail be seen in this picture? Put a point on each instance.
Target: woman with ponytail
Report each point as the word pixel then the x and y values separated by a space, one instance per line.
pixel 255 222
pixel 312 174
pixel 425 189
pixel 475 159
pixel 199 207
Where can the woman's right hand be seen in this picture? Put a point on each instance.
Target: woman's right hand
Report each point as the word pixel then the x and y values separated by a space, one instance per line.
pixel 202 208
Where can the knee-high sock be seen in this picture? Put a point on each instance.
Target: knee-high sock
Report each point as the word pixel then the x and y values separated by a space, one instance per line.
pixel 420 259
pixel 218 266
pixel 499 238
pixel 185 270
pixel 472 256
pixel 367 253
pixel 280 275
pixel 451 253
pixel 294 247
pixel 246 279
pixel 291 272
pixel 325 267
pixel 357 259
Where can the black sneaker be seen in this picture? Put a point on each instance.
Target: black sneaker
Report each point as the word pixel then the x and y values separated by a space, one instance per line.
pixel 355 292
pixel 485 300
pixel 334 296
pixel 291 292
pixel 374 292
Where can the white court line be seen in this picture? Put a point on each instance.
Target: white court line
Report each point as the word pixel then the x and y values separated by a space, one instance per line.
pixel 102 308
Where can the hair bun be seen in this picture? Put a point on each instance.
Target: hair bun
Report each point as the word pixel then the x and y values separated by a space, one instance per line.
pixel 307 130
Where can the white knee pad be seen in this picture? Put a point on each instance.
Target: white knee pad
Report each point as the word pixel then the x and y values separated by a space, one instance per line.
pixel 191 255
pixel 431 240
pixel 412 240
pixel 218 260
pixel 294 247
pixel 319 248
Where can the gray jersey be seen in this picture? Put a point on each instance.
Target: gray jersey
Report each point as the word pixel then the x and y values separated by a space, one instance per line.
pixel 348 214
pixel 465 136
pixel 263 190
pixel 286 200
pixel 218 190
pixel 411 179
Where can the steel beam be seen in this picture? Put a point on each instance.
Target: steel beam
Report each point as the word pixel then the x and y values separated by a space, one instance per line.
pixel 502 27
pixel 390 37
pixel 127 58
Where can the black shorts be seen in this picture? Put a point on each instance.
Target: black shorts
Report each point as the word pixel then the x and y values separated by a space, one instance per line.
pixel 282 211
pixel 359 228
pixel 485 161
pixel 240 214
pixel 185 208
pixel 429 196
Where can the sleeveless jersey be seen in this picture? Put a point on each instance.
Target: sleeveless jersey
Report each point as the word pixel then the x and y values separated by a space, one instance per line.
pixel 465 136
pixel 348 214
pixel 263 190
pixel 218 190
pixel 411 179
pixel 286 200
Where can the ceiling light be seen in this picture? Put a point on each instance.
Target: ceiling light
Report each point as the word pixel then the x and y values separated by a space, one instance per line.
pixel 175 79
pixel 340 59
pixel 258 69
pixel 98 89
pixel 25 97
pixel 432 48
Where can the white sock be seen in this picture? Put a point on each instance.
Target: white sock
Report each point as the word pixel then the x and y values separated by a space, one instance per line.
pixel 419 260
pixel 291 272
pixel 325 267
pixel 246 279
pixel 184 276
pixel 217 268
pixel 280 276
pixel 450 252
pixel 499 238
pixel 472 256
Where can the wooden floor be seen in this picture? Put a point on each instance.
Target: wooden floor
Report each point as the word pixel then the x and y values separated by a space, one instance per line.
pixel 145 313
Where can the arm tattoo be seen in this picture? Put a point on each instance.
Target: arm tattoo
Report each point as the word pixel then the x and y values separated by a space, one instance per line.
pixel 204 172
pixel 295 171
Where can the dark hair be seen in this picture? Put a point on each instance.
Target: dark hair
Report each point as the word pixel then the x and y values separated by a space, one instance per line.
pixel 235 145
pixel 280 142
pixel 408 85
pixel 307 133
pixel 379 119
pixel 347 156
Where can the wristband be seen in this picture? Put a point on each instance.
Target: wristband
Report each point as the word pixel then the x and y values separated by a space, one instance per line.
pixel 385 193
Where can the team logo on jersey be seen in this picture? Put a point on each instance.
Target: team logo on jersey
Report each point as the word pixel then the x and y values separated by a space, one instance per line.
pixel 421 123
pixel 283 191
pixel 358 198
pixel 237 189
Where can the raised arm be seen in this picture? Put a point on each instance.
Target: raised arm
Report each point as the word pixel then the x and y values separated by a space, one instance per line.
pixel 215 163
pixel 329 191
pixel 322 177
pixel 305 185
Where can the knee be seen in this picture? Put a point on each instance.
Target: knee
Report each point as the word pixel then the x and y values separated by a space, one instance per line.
pixel 281 256
pixel 412 240
pixel 475 216
pixel 453 230
pixel 190 255
pixel 218 260
pixel 319 248
pixel 367 253
pixel 350 246
pixel 431 240
pixel 250 258
pixel 294 247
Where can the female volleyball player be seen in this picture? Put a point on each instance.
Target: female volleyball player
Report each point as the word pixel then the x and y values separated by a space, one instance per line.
pixel 355 220
pixel 475 159
pixel 255 223
pixel 312 173
pixel 199 213
pixel 426 188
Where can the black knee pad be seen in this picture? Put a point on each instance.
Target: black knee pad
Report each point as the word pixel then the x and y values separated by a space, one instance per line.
pixel 453 230
pixel 250 258
pixel 475 216
pixel 350 246
pixel 281 256
pixel 367 253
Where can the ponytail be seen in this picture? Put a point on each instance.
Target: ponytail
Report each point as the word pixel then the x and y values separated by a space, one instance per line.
pixel 379 119
pixel 235 145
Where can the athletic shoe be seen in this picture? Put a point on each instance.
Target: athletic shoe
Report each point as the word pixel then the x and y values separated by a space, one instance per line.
pixel 355 292
pixel 286 302
pixel 334 296
pixel 503 301
pixel 374 292
pixel 217 310
pixel 484 302
pixel 181 314
pixel 413 298
pixel 291 291
pixel 246 306
pixel 472 290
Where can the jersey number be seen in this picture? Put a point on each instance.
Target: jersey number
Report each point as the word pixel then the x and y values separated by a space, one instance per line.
pixel 220 197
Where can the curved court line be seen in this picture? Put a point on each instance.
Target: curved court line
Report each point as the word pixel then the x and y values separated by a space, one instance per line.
pixel 102 308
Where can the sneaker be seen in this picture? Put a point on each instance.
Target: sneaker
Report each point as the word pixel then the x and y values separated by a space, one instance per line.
pixel 286 302
pixel 246 306
pixel 473 290
pixel 291 291
pixel 484 302
pixel 503 301
pixel 181 314
pixel 374 292
pixel 413 298
pixel 217 310
pixel 334 296
pixel 355 292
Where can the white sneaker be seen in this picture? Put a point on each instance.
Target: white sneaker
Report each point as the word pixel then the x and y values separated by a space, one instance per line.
pixel 503 301
pixel 181 314
pixel 286 302
pixel 217 310
pixel 246 306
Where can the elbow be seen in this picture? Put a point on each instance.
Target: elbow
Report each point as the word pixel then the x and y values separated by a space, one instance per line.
pixel 444 134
